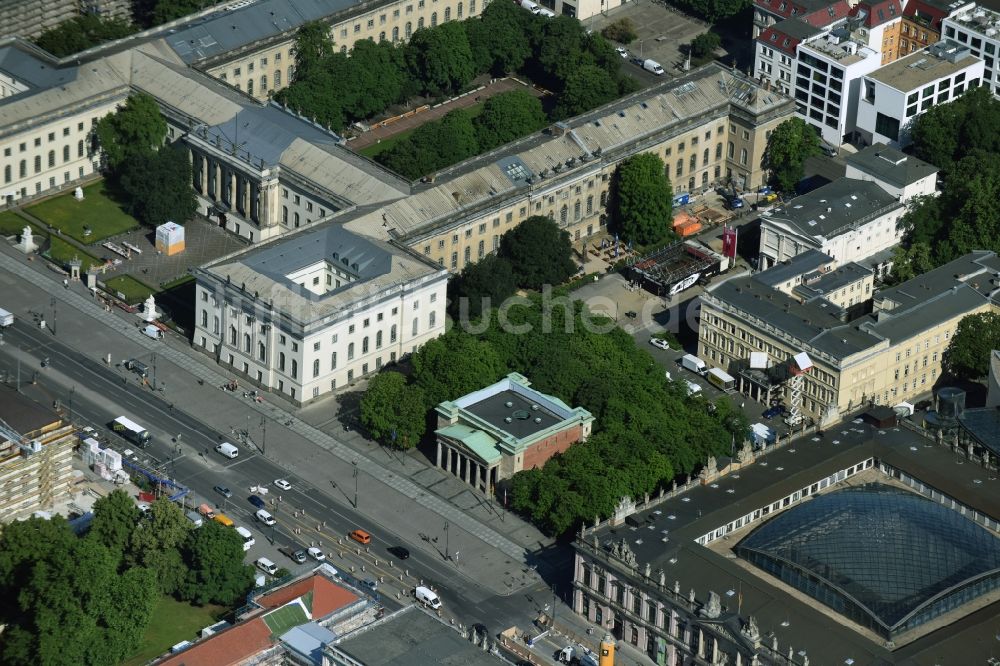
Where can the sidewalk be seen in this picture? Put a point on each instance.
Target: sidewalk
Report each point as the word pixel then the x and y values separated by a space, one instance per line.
pixel 316 457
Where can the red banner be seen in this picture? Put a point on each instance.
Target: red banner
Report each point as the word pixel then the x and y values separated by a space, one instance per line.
pixel 729 242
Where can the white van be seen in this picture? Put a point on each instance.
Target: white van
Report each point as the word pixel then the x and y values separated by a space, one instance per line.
pixel 152 332
pixel 692 388
pixel 247 537
pixel 264 517
pixel 267 566
pixel 228 450
pixel 425 596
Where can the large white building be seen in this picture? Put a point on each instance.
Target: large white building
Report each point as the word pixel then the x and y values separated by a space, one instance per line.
pixel 893 96
pixel 309 314
pixel 978 28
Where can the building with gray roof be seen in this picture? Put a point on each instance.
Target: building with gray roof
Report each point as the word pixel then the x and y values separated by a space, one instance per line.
pixel 847 219
pixel 902 176
pixel 311 313
pixel 882 347
pixel 491 434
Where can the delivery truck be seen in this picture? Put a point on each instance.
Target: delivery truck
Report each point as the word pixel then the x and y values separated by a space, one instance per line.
pixel 721 380
pixel 694 364
pixel 652 66
pixel 6 318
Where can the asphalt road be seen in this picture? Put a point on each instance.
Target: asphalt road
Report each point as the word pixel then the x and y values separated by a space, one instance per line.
pixel 183 449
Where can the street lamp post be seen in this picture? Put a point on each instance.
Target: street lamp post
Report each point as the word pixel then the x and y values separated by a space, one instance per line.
pixel 53 303
pixel 446 540
pixel 355 463
pixel 263 436
pixel 71 392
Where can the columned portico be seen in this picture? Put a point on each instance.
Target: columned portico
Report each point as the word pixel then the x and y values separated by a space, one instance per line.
pixel 467 466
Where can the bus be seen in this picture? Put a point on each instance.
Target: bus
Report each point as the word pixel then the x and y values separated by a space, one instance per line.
pixel 131 431
pixel 721 380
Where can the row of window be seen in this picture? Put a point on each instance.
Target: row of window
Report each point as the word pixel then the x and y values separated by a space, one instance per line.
pixel 8 171
pixel 23 146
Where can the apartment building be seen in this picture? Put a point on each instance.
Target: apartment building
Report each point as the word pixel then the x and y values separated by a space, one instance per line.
pixel 892 97
pixel 817 13
pixel 776 51
pixel 36 451
pixel 890 355
pixel 310 314
pixel 708 127
pixel 921 26
pixel 252 47
pixel 30 18
pixel 978 28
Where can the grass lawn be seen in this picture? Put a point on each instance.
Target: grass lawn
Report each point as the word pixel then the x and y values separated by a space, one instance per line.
pixel 173 621
pixel 285 618
pixel 135 292
pixel 387 143
pixel 97 211
pixel 11 224
pixel 61 252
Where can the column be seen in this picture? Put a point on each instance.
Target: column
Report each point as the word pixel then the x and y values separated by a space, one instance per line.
pixel 255 201
pixel 468 470
pixel 216 180
pixel 438 454
pixel 231 180
pixel 203 176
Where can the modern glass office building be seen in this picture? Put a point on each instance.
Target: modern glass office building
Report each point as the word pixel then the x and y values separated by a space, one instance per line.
pixel 884 557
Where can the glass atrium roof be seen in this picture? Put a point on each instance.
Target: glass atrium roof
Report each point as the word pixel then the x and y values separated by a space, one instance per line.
pixel 888 553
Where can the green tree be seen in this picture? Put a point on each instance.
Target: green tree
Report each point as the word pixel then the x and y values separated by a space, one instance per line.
pixel 23 544
pixel 156 544
pixel 713 10
pixel 539 253
pixel 81 33
pixel 394 413
pixel 454 364
pixel 433 146
pixel 705 44
pixel 484 284
pixel 622 30
pixel 158 186
pixel 945 133
pixel 508 116
pixel 789 145
pixel 168 10
pixel 441 58
pixel 313 46
pixel 216 573
pixel 377 78
pixel 585 88
pixel 135 128
pixel 643 199
pixel 968 353
pixel 500 39
pixel 561 50
pixel 115 518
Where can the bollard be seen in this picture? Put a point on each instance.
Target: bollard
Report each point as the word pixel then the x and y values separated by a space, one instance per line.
pixel 352 568
pixel 401 578
pixel 376 562
pixel 391 564
pixel 381 579
pixel 319 528
pixel 362 568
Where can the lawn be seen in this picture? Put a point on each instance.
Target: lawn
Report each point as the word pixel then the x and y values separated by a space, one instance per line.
pixel 371 151
pixel 11 223
pixel 285 618
pixel 173 621
pixel 134 292
pixel 61 252
pixel 98 212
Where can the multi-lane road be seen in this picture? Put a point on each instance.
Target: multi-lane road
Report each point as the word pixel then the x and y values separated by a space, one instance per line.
pixel 183 448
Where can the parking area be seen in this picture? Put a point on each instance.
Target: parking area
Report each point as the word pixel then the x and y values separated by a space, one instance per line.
pixel 662 31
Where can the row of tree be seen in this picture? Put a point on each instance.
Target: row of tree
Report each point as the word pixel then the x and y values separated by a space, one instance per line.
pixel 960 138
pixel 88 600
pixel 459 135
pixel 81 33
pixel 152 178
pixel 337 89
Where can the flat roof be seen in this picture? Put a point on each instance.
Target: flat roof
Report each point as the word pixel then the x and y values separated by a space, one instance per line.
pixel 796 28
pixel 819 284
pixel 664 536
pixel 890 165
pixel 800 264
pixel 918 69
pixel 513 413
pixel 831 210
pixel 22 414
pixel 411 637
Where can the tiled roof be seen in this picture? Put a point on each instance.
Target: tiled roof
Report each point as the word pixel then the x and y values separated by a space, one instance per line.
pixel 227 647
pixel 327 596
pixel 877 13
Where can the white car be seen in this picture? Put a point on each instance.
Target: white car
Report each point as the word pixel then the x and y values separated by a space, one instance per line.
pixel 621 51
pixel 316 554
pixel 284 485
pixel 660 343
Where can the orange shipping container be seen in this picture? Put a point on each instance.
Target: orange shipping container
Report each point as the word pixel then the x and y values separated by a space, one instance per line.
pixel 688 229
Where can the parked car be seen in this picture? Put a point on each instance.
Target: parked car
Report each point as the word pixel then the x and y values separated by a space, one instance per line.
pixel 772 412
pixel 622 51
pixel 225 492
pixel 922 405
pixel 316 554
pixel 361 537
pixel 399 552
pixel 659 343
pixel 370 583
pixel 294 553
pixel 264 517
pixel 281 483
pixel 735 203
pixel 637 61
pixel 257 501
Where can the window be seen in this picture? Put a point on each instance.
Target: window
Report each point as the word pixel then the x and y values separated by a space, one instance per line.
pixel 277 78
pixel 886 126
pixel 246 343
pixel 371 23
pixel 364 345
pixel 24 169
pixel 392 334
pixel 743 156
pixel 680 168
pixel 416 324
pixel 333 361
pixel 250 87
pixel 350 352
pixel 295 369
pixel 316 368
pixel 434 19
pixel 261 351
pixel 281 361
pixel 447 13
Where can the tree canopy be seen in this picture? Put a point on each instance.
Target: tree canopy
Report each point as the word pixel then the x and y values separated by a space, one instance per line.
pixel 968 353
pixel 81 33
pixel 393 414
pixel 789 145
pixel 442 58
pixel 539 253
pixel 622 30
pixel 213 555
pixel 135 128
pixel 643 200
pixel 713 10
pixel 508 116
pixel 158 186
pixel 705 44
pixel 486 283
pixel 960 138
